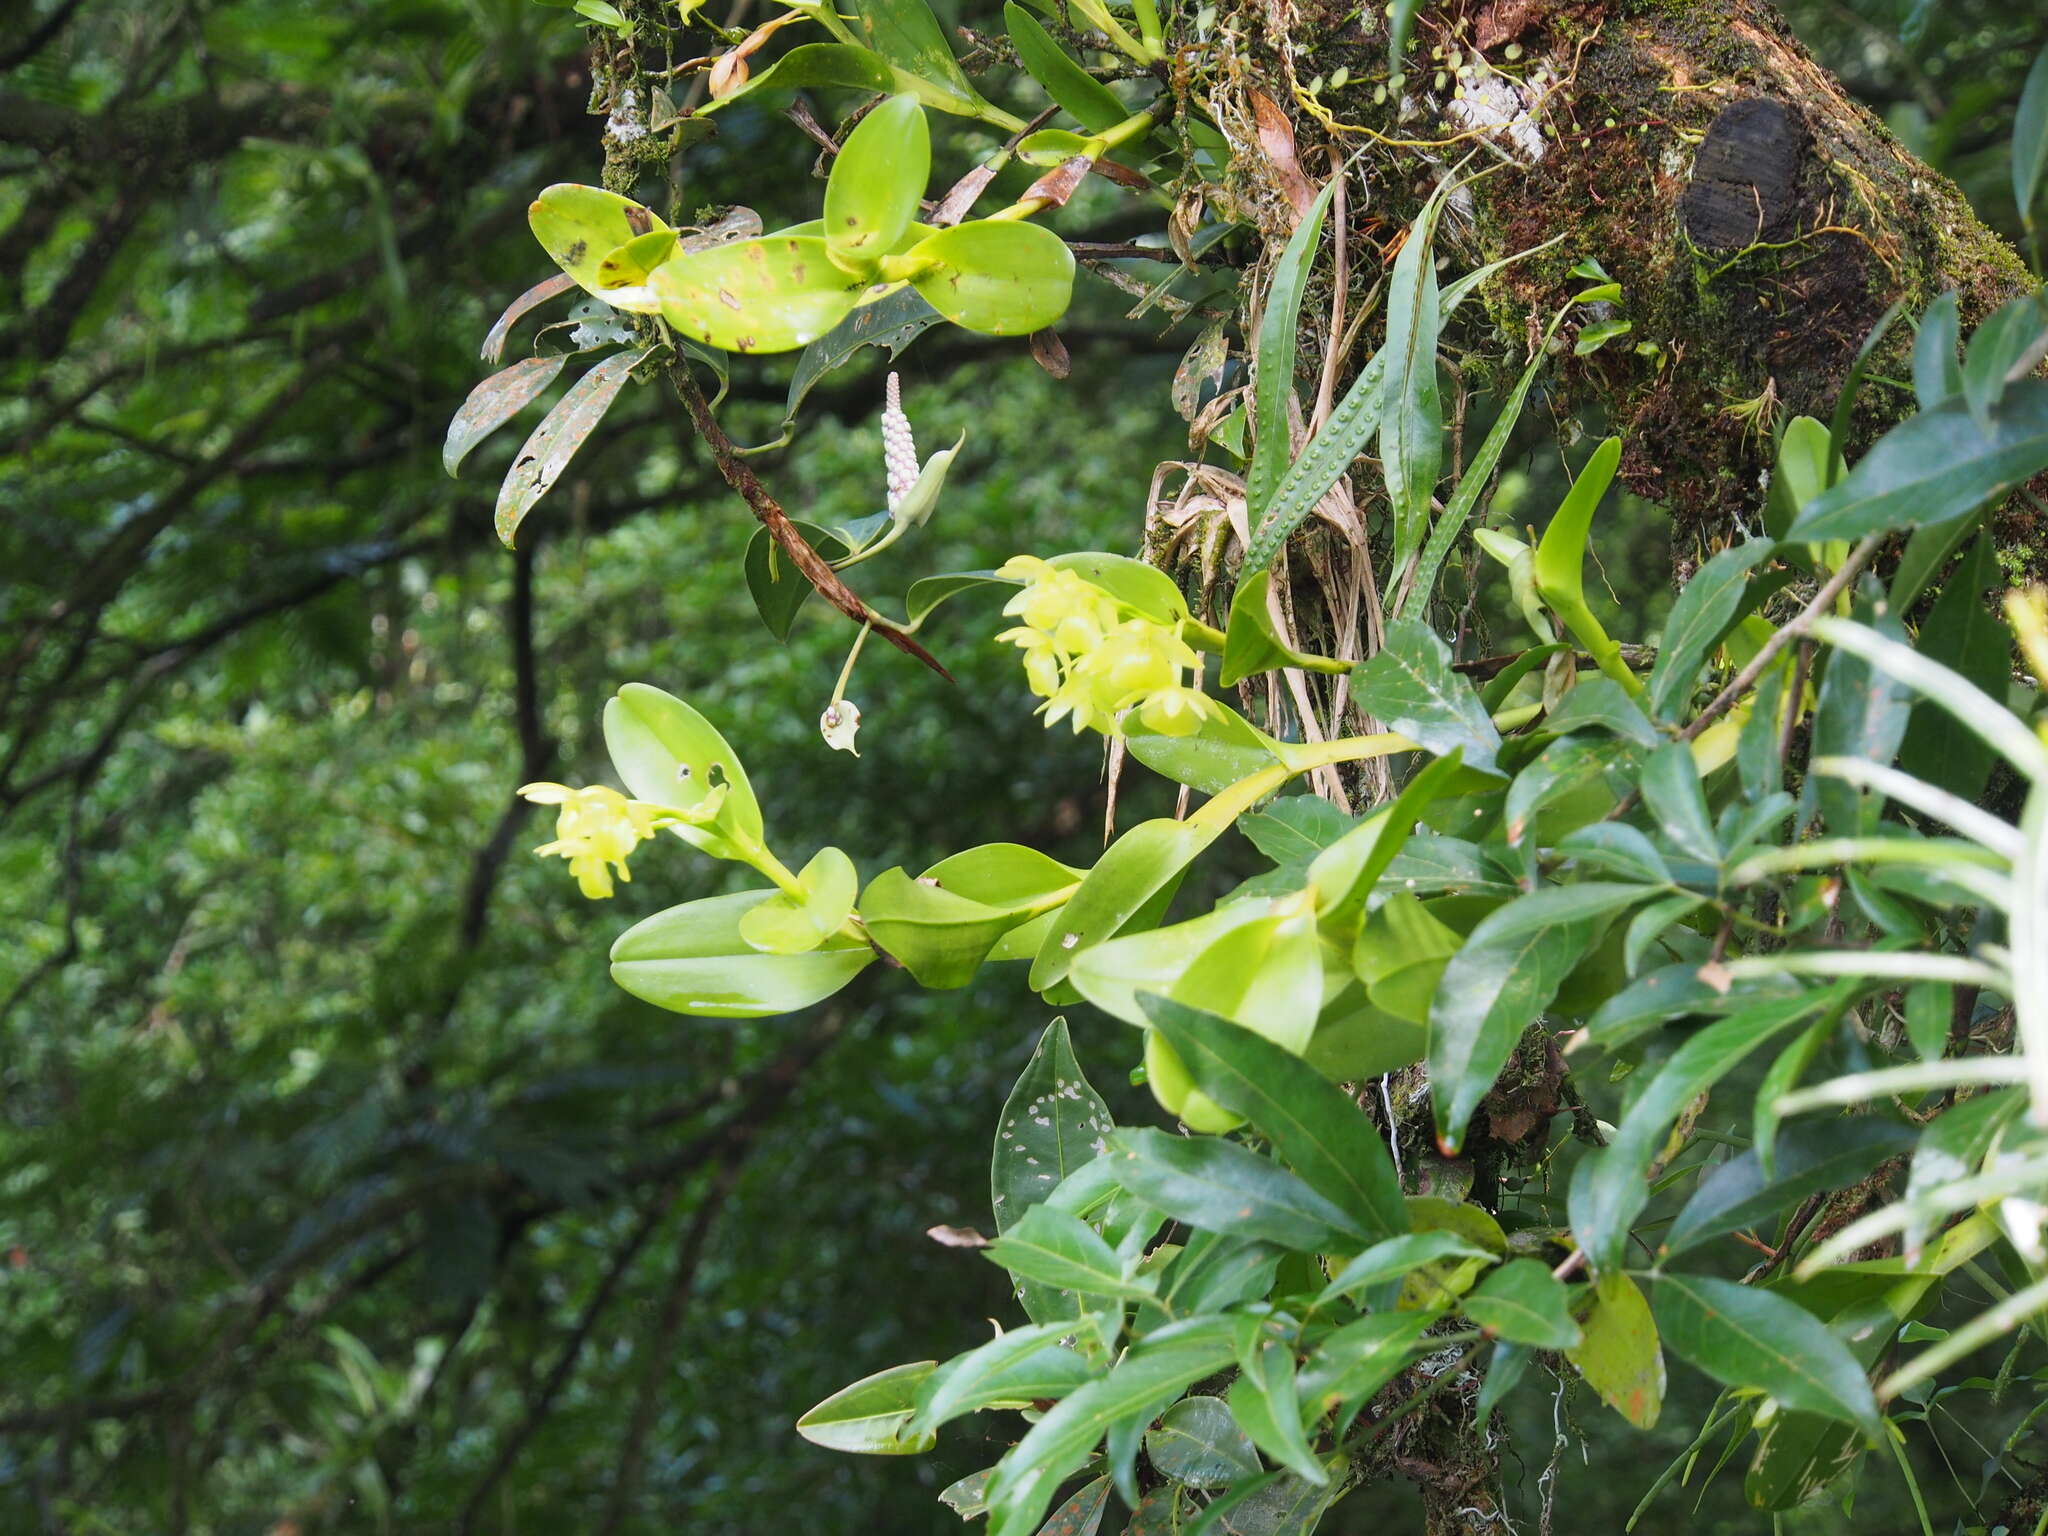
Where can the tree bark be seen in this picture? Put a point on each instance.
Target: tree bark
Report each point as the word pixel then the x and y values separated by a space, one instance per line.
pixel 1758 220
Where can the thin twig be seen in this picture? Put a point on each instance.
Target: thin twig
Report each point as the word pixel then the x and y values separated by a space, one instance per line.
pixel 1796 629
pixel 741 477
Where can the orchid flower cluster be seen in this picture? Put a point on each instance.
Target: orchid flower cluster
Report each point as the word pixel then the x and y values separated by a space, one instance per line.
pixel 1091 663
pixel 598 828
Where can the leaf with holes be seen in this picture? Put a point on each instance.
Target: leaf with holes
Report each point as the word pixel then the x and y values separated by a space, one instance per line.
pixel 494 402
pixel 1051 1124
pixel 546 454
pixel 547 288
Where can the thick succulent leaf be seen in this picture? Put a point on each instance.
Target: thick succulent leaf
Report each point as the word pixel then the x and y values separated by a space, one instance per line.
pixel 579 226
pixel 692 959
pixel 773 294
pixel 1003 277
pixel 877 178
pixel 870 1416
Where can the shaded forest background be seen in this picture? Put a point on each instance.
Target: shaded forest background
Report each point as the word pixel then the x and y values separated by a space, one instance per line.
pixel 339 1188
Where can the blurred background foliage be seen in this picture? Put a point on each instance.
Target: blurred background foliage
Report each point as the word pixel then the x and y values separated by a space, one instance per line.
pixel 339 1188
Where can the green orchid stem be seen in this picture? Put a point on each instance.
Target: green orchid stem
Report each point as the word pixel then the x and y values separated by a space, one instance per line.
pixel 1586 629
pixel 846 672
pixel 1204 637
pixel 1299 757
pixel 1132 127
pixel 1149 28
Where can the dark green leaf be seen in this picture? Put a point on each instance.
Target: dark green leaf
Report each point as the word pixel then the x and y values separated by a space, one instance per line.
pixel 1811 1156
pixel 1966 633
pixel 1087 100
pixel 1052 1123
pixel 1604 704
pixel 1936 373
pixel 1018 1367
pixel 1524 1303
pixel 1054 1249
pixel 1312 1124
pixel 1933 467
pixel 2030 140
pixel 1672 792
pixel 1218 1186
pixel 778 588
pixel 1274 363
pixel 1410 685
pixel 1608 1188
pixel 1749 1338
pixel 1505 976
pixel 1263 1402
pixel 1196 1442
pixel 1705 609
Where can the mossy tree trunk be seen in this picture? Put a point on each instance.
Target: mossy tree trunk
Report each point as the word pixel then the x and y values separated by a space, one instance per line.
pixel 1758 220
pixel 1759 223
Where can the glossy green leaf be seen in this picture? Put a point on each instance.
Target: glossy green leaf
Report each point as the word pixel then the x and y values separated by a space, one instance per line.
pixel 1559 564
pixel 1131 873
pixel 693 959
pixel 778 588
pixel 1360 1358
pixel 851 67
pixel 1293 829
pixel 1505 1368
pixel 1608 1189
pixel 773 294
pixel 545 454
pixel 1749 1338
pixel 1672 792
pixel 1003 277
pixel 668 754
pixel 870 1416
pixel 1223 750
pixel 795 925
pixel 1400 954
pixel 1112 975
pixel 1321 463
pixel 1803 470
pixel 908 35
pixel 1652 923
pixel 2030 140
pixel 1143 589
pixel 1603 704
pixel 1524 1303
pixel 2001 346
pixel 1275 359
pixel 1053 1123
pixel 1150 1375
pixel 1933 467
pixel 1410 686
pixel 1616 848
pixel 579 226
pixel 1314 1126
pixel 1087 100
pixel 1397 1256
pixel 877 180
pixel 1966 633
pixel 1619 1355
pixel 1937 375
pixel 1263 1402
pixel 1012 1369
pixel 1251 644
pixel 1218 1186
pixel 1348 875
pixel 1052 1248
pixel 940 936
pixel 1810 1156
pixel 1198 1444
pixel 496 401
pixel 1705 609
pixel 1412 419
pixel 1505 976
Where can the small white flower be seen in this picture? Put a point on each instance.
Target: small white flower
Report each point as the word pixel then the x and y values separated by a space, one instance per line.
pixel 839 725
